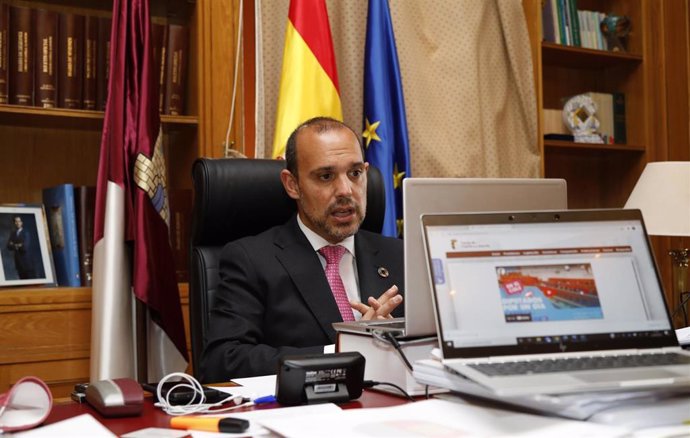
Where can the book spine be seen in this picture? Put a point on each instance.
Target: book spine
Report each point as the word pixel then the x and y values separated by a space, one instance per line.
pixel 4 52
pixel 71 52
pixel 176 66
pixel 90 61
pixel 549 33
pixel 159 38
pixel 574 23
pixel 46 38
pixel 180 231
pixel 102 62
pixel 85 200
pixel 62 226
pixel 21 57
pixel 562 29
pixel 619 128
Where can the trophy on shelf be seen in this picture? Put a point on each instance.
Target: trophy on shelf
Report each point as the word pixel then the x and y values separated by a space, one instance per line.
pixel 579 116
pixel 616 29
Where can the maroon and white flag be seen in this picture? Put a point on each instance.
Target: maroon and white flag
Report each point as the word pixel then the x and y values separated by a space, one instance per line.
pixel 132 255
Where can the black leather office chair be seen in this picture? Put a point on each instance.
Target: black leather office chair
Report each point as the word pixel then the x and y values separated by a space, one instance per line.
pixel 234 198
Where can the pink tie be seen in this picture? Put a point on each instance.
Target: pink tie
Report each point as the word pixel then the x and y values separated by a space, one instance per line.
pixel 333 254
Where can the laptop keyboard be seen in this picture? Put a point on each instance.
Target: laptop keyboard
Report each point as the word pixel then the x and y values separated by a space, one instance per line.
pixel 579 364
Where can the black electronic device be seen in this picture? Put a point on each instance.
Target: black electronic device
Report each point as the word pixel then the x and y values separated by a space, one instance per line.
pixel 184 394
pixel 320 378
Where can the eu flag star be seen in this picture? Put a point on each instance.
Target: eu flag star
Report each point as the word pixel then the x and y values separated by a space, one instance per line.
pixel 370 131
pixel 397 178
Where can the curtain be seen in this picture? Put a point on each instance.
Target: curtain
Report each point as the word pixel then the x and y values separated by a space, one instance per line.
pixel 467 76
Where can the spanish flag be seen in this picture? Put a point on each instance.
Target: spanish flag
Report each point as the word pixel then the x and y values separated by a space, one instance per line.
pixel 309 78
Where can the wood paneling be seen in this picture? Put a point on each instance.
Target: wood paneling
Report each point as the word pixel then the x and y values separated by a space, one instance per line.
pixel 47 333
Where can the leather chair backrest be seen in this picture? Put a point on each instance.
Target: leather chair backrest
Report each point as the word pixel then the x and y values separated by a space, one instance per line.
pixel 234 198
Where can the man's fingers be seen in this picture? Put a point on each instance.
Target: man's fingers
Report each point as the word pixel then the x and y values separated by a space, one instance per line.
pixel 390 305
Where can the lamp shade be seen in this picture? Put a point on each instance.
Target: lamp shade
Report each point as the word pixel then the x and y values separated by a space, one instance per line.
pixel 663 195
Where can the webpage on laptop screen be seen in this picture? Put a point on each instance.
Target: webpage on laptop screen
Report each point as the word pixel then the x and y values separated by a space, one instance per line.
pixel 496 284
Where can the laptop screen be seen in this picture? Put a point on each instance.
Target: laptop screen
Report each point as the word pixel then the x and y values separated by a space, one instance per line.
pixel 520 283
pixel 454 195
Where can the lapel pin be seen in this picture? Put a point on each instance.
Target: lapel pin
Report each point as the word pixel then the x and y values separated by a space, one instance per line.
pixel 383 272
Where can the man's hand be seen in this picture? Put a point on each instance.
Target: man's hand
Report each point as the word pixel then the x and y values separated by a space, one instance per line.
pixel 380 308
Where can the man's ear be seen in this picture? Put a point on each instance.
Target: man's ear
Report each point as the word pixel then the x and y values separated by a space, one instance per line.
pixel 289 183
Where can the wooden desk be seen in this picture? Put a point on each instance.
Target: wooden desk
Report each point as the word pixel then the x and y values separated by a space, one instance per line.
pixel 154 417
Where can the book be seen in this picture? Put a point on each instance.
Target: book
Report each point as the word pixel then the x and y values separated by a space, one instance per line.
pixel 45 27
pixel 62 226
pixel 548 29
pixel 180 201
pixel 85 204
pixel 90 61
pixel 102 62
pixel 604 113
pixel 384 363
pixel 21 78
pixel 563 24
pixel 619 128
pixel 159 41
pixel 4 52
pixel 574 23
pixel 176 69
pixel 70 53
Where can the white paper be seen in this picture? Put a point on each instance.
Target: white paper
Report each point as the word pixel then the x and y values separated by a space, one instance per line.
pixel 683 335
pixel 434 418
pixel 256 419
pixel 252 387
pixel 156 432
pixel 83 425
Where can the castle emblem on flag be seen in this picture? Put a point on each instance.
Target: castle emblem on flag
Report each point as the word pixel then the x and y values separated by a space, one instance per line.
pixel 149 175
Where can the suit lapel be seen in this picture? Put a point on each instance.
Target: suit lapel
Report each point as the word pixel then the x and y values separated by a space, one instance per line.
pixel 304 268
pixel 371 283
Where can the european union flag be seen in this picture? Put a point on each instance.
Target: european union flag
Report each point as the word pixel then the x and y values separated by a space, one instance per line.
pixel 385 125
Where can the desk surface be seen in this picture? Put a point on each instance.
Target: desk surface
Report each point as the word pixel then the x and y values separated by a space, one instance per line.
pixel 154 417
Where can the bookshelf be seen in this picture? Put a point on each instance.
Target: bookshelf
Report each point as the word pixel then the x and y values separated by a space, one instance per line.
pixel 598 175
pixel 653 74
pixel 47 330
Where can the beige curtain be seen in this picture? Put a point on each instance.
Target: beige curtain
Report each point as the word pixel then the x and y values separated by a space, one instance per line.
pixel 467 76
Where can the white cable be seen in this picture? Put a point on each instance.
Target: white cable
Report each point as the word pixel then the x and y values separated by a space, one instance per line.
pixel 235 75
pixel 197 405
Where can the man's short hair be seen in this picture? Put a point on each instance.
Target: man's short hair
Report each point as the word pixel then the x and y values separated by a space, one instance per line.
pixel 320 124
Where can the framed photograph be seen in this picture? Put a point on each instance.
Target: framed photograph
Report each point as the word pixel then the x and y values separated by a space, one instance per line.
pixel 25 257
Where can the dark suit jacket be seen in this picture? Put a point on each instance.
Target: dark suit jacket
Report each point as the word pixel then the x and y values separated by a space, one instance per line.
pixel 274 299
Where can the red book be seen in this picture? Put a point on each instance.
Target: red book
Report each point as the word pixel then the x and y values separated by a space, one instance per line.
pixel 176 69
pixel 21 77
pixel 4 52
pixel 159 41
pixel 180 202
pixel 45 49
pixel 70 55
pixel 102 62
pixel 90 62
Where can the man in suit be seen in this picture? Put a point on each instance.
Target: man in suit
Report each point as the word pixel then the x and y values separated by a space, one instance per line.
pixel 19 243
pixel 274 297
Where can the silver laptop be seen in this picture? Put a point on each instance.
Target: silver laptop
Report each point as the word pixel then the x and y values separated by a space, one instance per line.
pixel 551 302
pixel 443 195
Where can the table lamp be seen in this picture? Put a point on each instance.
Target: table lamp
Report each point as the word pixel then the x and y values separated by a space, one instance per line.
pixel 663 195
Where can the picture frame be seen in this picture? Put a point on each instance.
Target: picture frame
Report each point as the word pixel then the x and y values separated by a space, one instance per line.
pixel 25 255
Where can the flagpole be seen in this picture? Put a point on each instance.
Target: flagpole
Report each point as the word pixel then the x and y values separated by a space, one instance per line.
pixel 140 341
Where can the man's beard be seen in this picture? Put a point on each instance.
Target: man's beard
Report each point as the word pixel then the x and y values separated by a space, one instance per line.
pixel 338 232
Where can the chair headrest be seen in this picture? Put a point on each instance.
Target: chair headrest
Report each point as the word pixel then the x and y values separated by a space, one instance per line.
pixel 234 198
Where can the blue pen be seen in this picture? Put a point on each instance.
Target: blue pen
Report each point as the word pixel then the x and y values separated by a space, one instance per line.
pixel 265 399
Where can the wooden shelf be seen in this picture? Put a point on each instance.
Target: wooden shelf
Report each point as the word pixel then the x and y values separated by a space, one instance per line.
pixel 23 115
pixel 559 144
pixel 578 57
